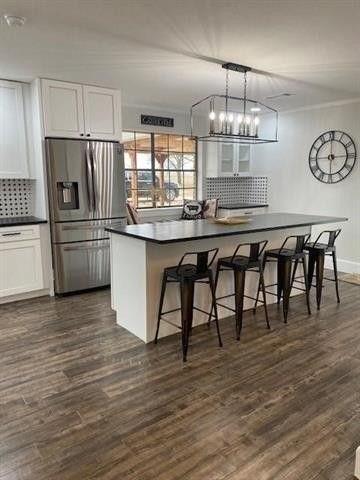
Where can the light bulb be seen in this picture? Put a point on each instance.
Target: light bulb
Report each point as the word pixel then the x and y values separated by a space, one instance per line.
pixel 212 117
pixel 240 119
pixel 255 109
pixel 247 126
pixel 229 123
pixel 221 122
pixel 256 124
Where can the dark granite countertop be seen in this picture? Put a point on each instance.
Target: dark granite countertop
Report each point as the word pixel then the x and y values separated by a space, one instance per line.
pixel 185 230
pixel 17 221
pixel 239 206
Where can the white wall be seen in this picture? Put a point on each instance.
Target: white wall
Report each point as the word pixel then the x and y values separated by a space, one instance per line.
pixel 293 188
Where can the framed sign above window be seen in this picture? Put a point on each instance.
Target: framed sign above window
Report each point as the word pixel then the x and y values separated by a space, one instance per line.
pixel 157 121
pixel 160 169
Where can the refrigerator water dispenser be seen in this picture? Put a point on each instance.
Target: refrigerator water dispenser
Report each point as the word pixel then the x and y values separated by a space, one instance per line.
pixel 68 195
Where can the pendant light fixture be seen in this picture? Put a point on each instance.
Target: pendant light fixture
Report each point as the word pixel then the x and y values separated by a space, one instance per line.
pixel 224 118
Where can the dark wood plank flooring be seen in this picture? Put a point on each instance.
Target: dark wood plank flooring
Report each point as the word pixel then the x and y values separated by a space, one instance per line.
pixel 81 398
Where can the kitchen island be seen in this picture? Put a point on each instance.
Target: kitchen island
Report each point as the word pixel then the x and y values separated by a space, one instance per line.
pixel 139 254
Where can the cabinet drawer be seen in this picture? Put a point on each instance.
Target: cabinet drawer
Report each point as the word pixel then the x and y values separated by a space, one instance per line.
pixel 16 234
pixel 21 267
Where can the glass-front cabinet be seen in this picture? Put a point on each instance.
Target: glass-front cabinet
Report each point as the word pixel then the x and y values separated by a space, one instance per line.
pixel 228 159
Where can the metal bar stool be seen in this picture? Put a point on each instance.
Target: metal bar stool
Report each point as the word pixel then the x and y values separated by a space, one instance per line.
pixel 285 257
pixel 240 264
pixel 187 275
pixel 317 252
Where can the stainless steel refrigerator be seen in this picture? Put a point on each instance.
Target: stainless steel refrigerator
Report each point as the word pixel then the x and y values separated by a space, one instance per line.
pixel 86 193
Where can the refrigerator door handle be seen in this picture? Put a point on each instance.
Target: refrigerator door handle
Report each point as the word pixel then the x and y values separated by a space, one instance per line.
pixel 85 247
pixel 89 178
pixel 93 175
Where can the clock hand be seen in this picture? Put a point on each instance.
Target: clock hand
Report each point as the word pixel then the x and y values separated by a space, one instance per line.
pixel 335 156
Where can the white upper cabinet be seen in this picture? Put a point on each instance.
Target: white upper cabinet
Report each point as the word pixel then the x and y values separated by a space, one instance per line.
pixel 63 109
pixel 81 111
pixel 227 160
pixel 102 113
pixel 14 161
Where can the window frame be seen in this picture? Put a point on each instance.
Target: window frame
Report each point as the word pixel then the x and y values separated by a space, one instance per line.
pixel 153 170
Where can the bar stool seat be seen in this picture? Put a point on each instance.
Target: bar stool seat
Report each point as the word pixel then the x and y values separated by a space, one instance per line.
pixel 285 257
pixel 240 261
pixel 185 271
pixel 285 252
pixel 319 246
pixel 187 275
pixel 240 264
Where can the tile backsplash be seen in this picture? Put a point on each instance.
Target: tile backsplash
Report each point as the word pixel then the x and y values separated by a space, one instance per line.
pixel 237 189
pixel 16 197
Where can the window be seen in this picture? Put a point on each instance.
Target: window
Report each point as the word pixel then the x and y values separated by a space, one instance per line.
pixel 160 169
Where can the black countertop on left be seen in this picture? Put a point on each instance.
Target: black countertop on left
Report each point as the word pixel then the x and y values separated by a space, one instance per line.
pixel 17 221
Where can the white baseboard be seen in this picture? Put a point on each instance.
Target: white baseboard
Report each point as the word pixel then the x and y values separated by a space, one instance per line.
pixel 357 463
pixel 25 296
pixel 343 265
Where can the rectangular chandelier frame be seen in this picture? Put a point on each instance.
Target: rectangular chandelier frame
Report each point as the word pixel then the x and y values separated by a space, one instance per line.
pixel 247 106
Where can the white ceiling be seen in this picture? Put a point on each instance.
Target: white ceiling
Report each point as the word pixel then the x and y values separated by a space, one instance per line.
pixel 154 50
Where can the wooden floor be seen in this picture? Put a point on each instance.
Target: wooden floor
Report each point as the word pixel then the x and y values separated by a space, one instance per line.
pixel 80 398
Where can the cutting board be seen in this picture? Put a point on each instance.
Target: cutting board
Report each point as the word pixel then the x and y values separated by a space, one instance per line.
pixel 232 220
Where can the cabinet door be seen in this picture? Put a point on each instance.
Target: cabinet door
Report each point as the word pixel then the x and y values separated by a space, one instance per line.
pixel 13 150
pixel 226 159
pixel 242 162
pixel 63 109
pixel 102 113
pixel 21 267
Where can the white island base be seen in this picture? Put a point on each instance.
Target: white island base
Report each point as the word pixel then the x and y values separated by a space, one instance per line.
pixel 136 272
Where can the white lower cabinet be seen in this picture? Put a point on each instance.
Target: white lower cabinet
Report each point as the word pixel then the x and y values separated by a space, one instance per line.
pixel 20 260
pixel 224 212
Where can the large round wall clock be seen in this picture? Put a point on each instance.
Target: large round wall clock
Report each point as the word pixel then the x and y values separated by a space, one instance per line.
pixel 332 156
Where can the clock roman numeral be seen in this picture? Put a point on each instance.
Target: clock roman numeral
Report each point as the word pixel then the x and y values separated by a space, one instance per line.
pixel 320 175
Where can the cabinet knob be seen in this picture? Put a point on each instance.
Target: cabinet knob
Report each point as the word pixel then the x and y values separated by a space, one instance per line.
pixel 88 134
pixel 81 134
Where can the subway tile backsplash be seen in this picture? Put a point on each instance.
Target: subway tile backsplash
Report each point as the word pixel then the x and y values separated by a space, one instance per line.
pixel 238 189
pixel 16 197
